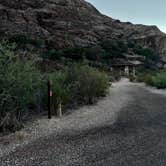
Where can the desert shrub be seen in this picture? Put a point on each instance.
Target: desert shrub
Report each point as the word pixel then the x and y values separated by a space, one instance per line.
pixel 23 87
pixel 132 78
pixel 131 44
pixel 148 79
pixel 79 84
pixel 122 47
pixel 75 54
pixel 95 53
pixel 20 87
pixel 145 77
pixel 116 75
pixel 148 53
pixel 61 88
pixel 22 40
pixel 153 78
pixel 87 83
pixel 114 48
pixel 159 80
pixel 52 54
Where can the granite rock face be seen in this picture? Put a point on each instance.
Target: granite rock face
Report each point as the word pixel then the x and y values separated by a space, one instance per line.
pixel 67 23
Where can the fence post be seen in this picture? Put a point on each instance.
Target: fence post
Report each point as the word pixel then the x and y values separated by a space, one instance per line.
pixel 50 98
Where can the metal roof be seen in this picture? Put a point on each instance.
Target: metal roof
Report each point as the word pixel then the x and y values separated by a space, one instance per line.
pixel 136 62
pixel 134 56
pixel 123 62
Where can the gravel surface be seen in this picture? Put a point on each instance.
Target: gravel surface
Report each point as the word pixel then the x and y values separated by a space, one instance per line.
pixel 127 128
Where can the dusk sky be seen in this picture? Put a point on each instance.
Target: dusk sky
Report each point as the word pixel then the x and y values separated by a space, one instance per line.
pixel 148 12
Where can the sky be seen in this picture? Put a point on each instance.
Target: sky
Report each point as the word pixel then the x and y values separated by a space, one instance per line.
pixel 148 12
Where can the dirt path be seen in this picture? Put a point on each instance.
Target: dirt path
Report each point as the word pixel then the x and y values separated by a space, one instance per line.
pixel 126 128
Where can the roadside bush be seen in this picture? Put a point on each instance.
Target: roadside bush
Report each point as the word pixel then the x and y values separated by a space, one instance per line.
pixel 153 78
pixel 20 87
pixel 116 75
pixel 87 83
pixel 145 77
pixel 79 84
pixel 132 78
pixel 23 89
pixel 61 88
pixel 148 79
pixel 159 80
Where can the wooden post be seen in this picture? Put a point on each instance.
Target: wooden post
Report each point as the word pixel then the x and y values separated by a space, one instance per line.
pixel 59 109
pixel 50 98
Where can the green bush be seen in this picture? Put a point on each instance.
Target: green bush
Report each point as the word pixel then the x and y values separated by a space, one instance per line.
pixel 131 44
pixel 145 77
pixel 87 83
pixel 132 78
pixel 23 40
pixel 113 49
pixel 23 87
pixel 159 80
pixel 20 87
pixel 75 54
pixel 148 53
pixel 61 88
pixel 52 54
pixel 95 53
pixel 153 78
pixel 148 79
pixel 79 84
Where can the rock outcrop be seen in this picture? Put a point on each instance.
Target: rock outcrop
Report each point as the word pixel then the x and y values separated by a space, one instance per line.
pixel 67 23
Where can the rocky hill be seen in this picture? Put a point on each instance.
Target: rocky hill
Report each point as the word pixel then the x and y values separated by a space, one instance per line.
pixel 67 23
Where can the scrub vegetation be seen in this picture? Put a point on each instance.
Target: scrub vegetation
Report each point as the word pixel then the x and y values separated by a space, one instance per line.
pixel 23 86
pixel 153 78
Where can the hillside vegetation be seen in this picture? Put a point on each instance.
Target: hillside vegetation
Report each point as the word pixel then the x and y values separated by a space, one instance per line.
pixel 23 87
pixel 103 53
pixel 153 78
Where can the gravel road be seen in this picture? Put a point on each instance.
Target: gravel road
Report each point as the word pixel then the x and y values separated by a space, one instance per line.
pixel 127 128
